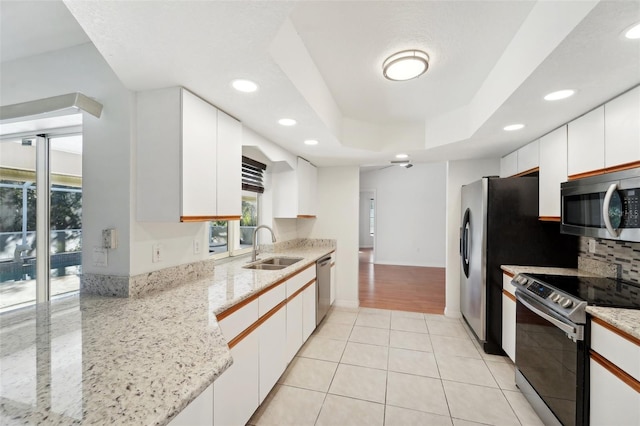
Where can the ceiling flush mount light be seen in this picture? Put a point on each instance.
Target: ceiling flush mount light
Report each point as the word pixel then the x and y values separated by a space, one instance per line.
pixel 405 65
pixel 287 122
pixel 560 94
pixel 311 142
pixel 403 163
pixel 402 156
pixel 633 33
pixel 512 127
pixel 246 86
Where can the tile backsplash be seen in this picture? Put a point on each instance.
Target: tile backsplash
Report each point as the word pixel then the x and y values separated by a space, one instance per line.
pixel 621 255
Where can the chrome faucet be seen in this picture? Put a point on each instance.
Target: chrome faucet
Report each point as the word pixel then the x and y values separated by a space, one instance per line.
pixel 255 240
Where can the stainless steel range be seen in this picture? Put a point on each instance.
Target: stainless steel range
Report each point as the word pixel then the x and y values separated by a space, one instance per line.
pixel 552 339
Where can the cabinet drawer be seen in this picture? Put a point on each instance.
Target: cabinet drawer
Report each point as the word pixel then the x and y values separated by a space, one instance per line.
pixel 506 284
pixel 620 351
pixel 298 281
pixel 239 320
pixel 271 298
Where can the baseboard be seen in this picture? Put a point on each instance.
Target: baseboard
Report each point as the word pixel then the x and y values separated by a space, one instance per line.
pixel 450 313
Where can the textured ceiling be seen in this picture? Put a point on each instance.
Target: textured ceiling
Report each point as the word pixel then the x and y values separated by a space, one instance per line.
pixel 320 63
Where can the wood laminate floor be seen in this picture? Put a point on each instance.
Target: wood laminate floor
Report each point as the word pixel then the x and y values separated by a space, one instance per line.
pixel 402 288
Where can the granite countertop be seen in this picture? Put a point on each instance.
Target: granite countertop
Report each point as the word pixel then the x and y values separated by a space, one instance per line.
pixel 627 320
pixel 98 360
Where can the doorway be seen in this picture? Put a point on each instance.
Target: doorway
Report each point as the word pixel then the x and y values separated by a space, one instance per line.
pixel 40 216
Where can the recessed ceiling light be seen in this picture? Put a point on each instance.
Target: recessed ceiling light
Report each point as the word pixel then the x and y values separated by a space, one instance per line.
pixel 560 94
pixel 402 156
pixel 633 33
pixel 311 142
pixel 512 127
pixel 405 65
pixel 287 122
pixel 246 86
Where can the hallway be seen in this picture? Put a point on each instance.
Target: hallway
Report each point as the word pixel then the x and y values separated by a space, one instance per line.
pixel 403 288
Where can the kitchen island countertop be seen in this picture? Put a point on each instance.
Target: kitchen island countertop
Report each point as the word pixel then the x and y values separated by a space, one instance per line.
pixel 98 360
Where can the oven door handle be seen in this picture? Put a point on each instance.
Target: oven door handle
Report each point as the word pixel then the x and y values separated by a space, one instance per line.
pixel 572 332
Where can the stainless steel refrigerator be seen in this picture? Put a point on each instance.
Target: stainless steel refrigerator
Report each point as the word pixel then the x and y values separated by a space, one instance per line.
pixel 500 226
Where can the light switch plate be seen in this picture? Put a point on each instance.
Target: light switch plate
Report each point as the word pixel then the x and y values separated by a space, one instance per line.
pixel 592 245
pixel 100 257
pixel 157 253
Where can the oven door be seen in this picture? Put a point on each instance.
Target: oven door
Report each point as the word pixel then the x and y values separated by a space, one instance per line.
pixel 550 357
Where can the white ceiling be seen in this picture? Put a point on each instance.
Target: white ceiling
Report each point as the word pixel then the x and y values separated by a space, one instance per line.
pixel 320 63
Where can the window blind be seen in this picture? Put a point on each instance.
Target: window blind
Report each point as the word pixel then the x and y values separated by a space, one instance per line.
pixel 252 175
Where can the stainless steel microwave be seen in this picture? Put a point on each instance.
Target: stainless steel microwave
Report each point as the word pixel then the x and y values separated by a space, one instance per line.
pixel 603 206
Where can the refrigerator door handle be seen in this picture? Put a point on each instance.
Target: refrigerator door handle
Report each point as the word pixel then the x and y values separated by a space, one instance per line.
pixel 466 228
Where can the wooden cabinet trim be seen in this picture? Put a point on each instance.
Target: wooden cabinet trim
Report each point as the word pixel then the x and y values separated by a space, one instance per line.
pixel 509 295
pixel 549 218
pixel 611 169
pixel 300 290
pixel 527 172
pixel 256 324
pixel 616 330
pixel 507 273
pixel 306 216
pixel 615 370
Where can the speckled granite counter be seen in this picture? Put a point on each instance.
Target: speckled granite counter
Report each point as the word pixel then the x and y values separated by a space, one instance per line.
pixel 627 320
pixel 98 360
pixel 516 269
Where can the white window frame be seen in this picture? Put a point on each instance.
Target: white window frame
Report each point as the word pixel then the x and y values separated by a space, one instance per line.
pixel 233 234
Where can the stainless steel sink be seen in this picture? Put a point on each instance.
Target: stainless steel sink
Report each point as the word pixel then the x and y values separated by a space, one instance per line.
pixel 273 263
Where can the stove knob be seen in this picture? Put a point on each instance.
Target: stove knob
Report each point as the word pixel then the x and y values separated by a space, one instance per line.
pixel 566 303
pixel 555 297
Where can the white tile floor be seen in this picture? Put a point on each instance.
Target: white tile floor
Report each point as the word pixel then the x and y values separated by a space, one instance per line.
pixel 379 367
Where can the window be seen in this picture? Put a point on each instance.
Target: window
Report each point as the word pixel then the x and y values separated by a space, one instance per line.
pixel 235 237
pixel 371 216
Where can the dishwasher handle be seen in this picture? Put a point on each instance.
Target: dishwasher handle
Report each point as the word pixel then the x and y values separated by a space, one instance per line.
pixel 324 261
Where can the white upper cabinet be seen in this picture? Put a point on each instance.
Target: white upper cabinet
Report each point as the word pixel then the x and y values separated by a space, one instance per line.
pixel 528 157
pixel 295 191
pixel 585 143
pixel 553 171
pixel 509 165
pixel 622 129
pixel 188 158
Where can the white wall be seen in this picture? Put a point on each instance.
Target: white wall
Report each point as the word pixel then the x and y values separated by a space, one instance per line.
pixel 410 214
pixel 338 190
pixel 106 140
pixel 459 173
pixel 366 239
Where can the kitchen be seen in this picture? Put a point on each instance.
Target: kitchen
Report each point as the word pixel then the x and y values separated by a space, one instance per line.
pixel 110 153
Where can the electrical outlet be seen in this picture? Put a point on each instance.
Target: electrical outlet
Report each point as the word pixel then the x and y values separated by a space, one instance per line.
pixel 196 246
pixel 109 239
pixel 592 245
pixel 157 254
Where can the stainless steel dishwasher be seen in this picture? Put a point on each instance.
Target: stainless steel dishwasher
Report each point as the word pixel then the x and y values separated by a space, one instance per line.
pixel 323 280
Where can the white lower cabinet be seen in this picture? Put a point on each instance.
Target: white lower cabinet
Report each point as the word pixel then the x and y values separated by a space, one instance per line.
pixel 309 310
pixel 612 401
pixel 198 413
pixel 235 392
pixel 508 318
pixel 273 338
pixel 294 326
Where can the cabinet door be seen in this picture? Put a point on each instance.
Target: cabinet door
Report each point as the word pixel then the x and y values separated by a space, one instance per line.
pixel 612 401
pixel 622 129
pixel 509 326
pixel 229 166
pixel 309 311
pixel 509 165
pixel 553 171
pixel 307 183
pixel 294 327
pixel 333 282
pixel 198 413
pixel 585 143
pixel 528 157
pixel 272 335
pixel 199 142
pixel 235 392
